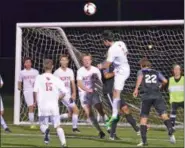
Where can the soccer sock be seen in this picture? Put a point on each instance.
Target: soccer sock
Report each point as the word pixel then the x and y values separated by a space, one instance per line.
pixel 169 126
pixel 115 107
pixel 64 116
pixel 74 120
pixel 132 122
pixel 143 129
pixel 43 128
pixel 173 118
pixel 61 135
pixel 113 129
pixel 3 123
pixel 95 123
pixel 31 117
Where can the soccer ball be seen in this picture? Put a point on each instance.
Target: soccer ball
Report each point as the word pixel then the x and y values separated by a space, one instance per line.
pixel 90 9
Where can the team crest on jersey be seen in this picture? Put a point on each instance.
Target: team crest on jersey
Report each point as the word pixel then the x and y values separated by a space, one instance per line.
pixel 48 78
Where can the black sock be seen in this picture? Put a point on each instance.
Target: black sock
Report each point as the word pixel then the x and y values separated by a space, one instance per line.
pixel 132 122
pixel 172 121
pixel 143 129
pixel 169 126
pixel 113 129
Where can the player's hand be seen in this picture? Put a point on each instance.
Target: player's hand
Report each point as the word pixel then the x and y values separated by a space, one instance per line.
pixel 90 90
pixel 135 93
pixel 99 66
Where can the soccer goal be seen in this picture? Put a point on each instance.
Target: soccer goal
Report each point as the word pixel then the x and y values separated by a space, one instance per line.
pixel 162 42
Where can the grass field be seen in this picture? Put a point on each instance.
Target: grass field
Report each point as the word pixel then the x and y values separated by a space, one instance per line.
pixel 23 136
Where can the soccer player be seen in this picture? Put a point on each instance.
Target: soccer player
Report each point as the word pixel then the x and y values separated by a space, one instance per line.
pixel 150 80
pixel 176 89
pixel 117 54
pixel 88 96
pixel 27 77
pixel 3 123
pixel 47 90
pixel 108 75
pixel 67 76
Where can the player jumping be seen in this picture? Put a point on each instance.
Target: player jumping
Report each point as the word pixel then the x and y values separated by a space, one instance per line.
pixel 117 54
pixel 27 77
pixel 3 123
pixel 150 81
pixel 87 94
pixel 67 76
pixel 46 94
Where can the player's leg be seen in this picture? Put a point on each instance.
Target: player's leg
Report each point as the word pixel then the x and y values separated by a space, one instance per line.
pixel 3 123
pixel 75 112
pixel 174 107
pixel 145 110
pixel 44 127
pixel 28 95
pixel 160 107
pixel 59 130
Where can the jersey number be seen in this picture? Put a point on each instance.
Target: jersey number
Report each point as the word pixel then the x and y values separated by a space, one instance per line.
pixel 49 86
pixel 150 79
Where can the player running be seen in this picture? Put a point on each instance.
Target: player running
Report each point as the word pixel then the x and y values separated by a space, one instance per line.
pixel 3 123
pixel 67 76
pixel 108 80
pixel 27 77
pixel 46 94
pixel 117 54
pixel 176 89
pixel 88 96
pixel 150 80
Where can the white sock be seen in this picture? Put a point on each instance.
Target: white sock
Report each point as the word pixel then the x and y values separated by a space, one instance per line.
pixel 98 117
pixel 31 117
pixel 115 107
pixel 64 116
pixel 43 128
pixel 3 123
pixel 61 135
pixel 95 123
pixel 74 120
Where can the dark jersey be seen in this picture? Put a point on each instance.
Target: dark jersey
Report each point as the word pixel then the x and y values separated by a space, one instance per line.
pixel 150 86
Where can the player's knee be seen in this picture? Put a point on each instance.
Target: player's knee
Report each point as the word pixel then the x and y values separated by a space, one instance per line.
pixel 125 109
pixel 31 109
pixel 143 121
pixel 164 116
pixel 116 93
pixel 76 110
pixel 1 113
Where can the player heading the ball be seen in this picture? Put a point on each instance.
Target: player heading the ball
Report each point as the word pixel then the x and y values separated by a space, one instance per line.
pixel 47 89
pixel 27 77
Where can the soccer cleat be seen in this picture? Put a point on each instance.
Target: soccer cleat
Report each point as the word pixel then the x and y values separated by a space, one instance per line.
pixel 142 144
pixel 109 122
pixel 172 139
pixel 33 127
pixel 7 130
pixel 101 134
pixel 111 138
pixel 46 137
pixel 138 133
pixel 76 130
pixel 64 145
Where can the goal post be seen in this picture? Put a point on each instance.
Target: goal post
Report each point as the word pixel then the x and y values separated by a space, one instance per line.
pixel 159 40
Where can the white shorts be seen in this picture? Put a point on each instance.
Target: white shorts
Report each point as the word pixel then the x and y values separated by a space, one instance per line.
pixel 44 120
pixel 89 99
pixel 119 79
pixel 46 111
pixel 2 107
pixel 66 101
pixel 28 96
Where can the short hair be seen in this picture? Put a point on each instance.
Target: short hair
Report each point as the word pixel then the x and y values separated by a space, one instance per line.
pixel 107 35
pixel 144 62
pixel 64 56
pixel 86 55
pixel 26 59
pixel 48 64
pixel 174 65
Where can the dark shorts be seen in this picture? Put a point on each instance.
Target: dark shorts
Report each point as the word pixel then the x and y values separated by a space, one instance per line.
pixel 158 104
pixel 176 105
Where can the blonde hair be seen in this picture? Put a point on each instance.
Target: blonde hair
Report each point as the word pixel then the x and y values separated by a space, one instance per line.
pixel 48 64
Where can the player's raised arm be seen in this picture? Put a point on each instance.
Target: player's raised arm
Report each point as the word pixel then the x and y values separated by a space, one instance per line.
pixel 1 82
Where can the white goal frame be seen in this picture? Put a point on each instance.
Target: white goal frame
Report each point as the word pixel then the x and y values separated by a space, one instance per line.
pixel 59 27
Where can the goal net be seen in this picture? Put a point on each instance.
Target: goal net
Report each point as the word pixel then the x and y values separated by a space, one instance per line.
pixel 162 42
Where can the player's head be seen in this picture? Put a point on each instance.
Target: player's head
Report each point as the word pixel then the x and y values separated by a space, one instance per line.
pixel 64 60
pixel 86 60
pixel 145 63
pixel 176 70
pixel 27 63
pixel 48 64
pixel 107 38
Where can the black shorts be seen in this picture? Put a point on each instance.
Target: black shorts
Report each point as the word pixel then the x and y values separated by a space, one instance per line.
pixel 158 104
pixel 176 105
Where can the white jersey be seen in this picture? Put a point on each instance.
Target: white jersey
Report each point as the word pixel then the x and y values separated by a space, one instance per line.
pixel 66 76
pixel 85 76
pixel 48 88
pixel 117 54
pixel 1 81
pixel 28 78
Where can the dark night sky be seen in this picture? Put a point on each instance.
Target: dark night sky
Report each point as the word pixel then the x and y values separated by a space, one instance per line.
pixel 13 11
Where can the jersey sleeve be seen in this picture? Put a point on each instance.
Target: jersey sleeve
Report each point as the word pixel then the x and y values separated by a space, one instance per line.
pixel 139 73
pixel 20 77
pixel 99 74
pixel 124 48
pixel 37 72
pixel 55 73
pixel 79 75
pixel 161 77
pixel 36 84
pixel 61 86
pixel 72 76
pixel 111 55
pixel 1 80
